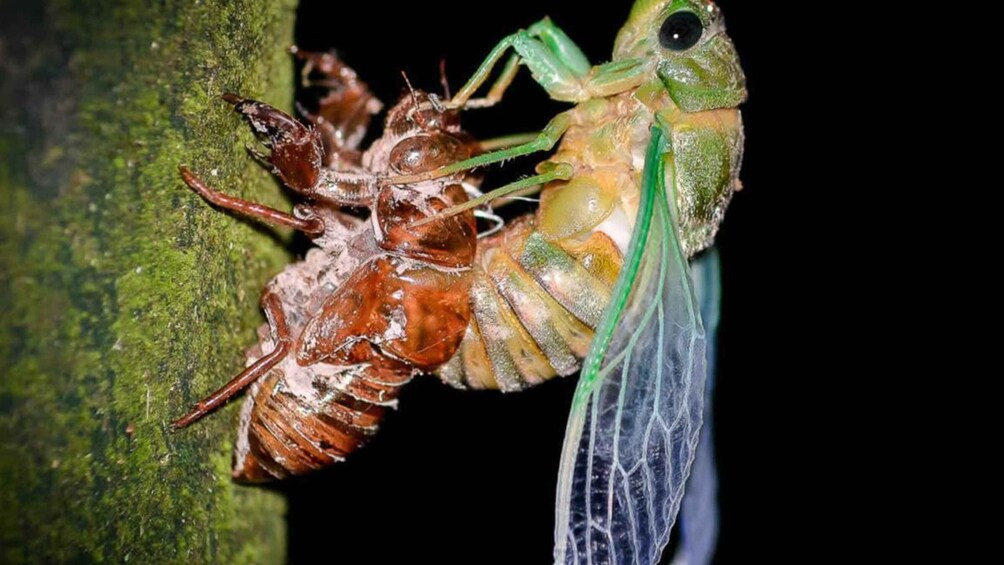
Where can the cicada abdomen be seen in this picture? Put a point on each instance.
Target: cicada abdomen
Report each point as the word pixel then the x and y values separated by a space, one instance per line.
pixel 536 303
pixel 391 319
pixel 542 285
pixel 379 301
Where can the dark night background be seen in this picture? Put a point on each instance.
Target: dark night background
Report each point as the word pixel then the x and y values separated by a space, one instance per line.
pixel 462 477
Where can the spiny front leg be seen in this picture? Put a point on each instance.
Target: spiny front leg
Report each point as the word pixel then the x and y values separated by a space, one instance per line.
pixel 555 61
pixel 296 157
pixel 296 149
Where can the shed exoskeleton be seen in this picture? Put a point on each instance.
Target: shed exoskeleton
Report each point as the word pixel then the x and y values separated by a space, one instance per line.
pixel 378 301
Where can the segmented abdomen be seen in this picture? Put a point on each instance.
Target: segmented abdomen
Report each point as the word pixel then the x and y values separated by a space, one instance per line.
pixel 535 304
pixel 309 420
pixel 389 320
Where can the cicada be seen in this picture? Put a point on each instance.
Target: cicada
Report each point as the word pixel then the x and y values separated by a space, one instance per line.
pixel 379 300
pixel 646 163
pixel 612 273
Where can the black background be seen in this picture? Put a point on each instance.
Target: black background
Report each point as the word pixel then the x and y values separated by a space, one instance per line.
pixel 464 477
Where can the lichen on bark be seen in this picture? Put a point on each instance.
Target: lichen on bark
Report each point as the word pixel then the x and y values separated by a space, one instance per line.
pixel 124 296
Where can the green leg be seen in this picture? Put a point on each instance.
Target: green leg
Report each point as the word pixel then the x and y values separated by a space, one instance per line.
pixel 554 171
pixel 506 141
pixel 616 77
pixel 561 45
pixel 553 58
pixel 544 141
pixel 497 90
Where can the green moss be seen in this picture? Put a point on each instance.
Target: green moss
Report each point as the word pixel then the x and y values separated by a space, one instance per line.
pixel 125 297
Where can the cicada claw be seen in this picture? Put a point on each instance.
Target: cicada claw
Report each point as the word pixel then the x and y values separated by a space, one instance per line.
pixel 296 149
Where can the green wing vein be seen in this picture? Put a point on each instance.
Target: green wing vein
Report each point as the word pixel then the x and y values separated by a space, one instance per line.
pixel 636 416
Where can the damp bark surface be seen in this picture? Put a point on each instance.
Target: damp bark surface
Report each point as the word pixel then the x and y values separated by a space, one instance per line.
pixel 125 297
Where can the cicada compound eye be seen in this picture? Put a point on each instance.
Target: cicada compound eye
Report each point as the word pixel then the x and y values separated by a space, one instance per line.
pixel 681 31
pixel 426 152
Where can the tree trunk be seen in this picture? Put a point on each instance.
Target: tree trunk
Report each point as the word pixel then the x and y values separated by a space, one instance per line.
pixel 125 297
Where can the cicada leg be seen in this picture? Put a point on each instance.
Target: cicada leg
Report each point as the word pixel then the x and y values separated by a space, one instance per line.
pixel 505 141
pixel 344 111
pixel 553 172
pixel 556 63
pixel 543 141
pixel 555 60
pixel 297 157
pixel 296 149
pixel 272 306
pixel 312 226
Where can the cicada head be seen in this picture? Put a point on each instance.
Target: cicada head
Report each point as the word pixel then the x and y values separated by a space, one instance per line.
pixel 420 111
pixel 686 44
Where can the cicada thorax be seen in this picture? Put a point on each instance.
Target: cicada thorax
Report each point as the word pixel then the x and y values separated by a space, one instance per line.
pixel 403 309
pixel 542 284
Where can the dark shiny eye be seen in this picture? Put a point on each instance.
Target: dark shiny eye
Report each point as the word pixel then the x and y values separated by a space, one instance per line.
pixel 681 31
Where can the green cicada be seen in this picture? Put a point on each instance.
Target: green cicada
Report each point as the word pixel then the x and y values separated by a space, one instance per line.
pixel 611 275
pixel 646 163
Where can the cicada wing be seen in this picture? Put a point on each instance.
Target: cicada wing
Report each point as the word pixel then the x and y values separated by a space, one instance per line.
pixel 636 416
pixel 699 512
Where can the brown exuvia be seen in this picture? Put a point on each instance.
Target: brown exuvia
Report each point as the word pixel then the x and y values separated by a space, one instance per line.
pixel 378 301
pixel 409 290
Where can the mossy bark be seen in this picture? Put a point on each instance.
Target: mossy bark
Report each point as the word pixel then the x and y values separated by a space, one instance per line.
pixel 124 296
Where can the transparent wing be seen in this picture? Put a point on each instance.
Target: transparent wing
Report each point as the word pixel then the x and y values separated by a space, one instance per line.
pixel 636 416
pixel 699 512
